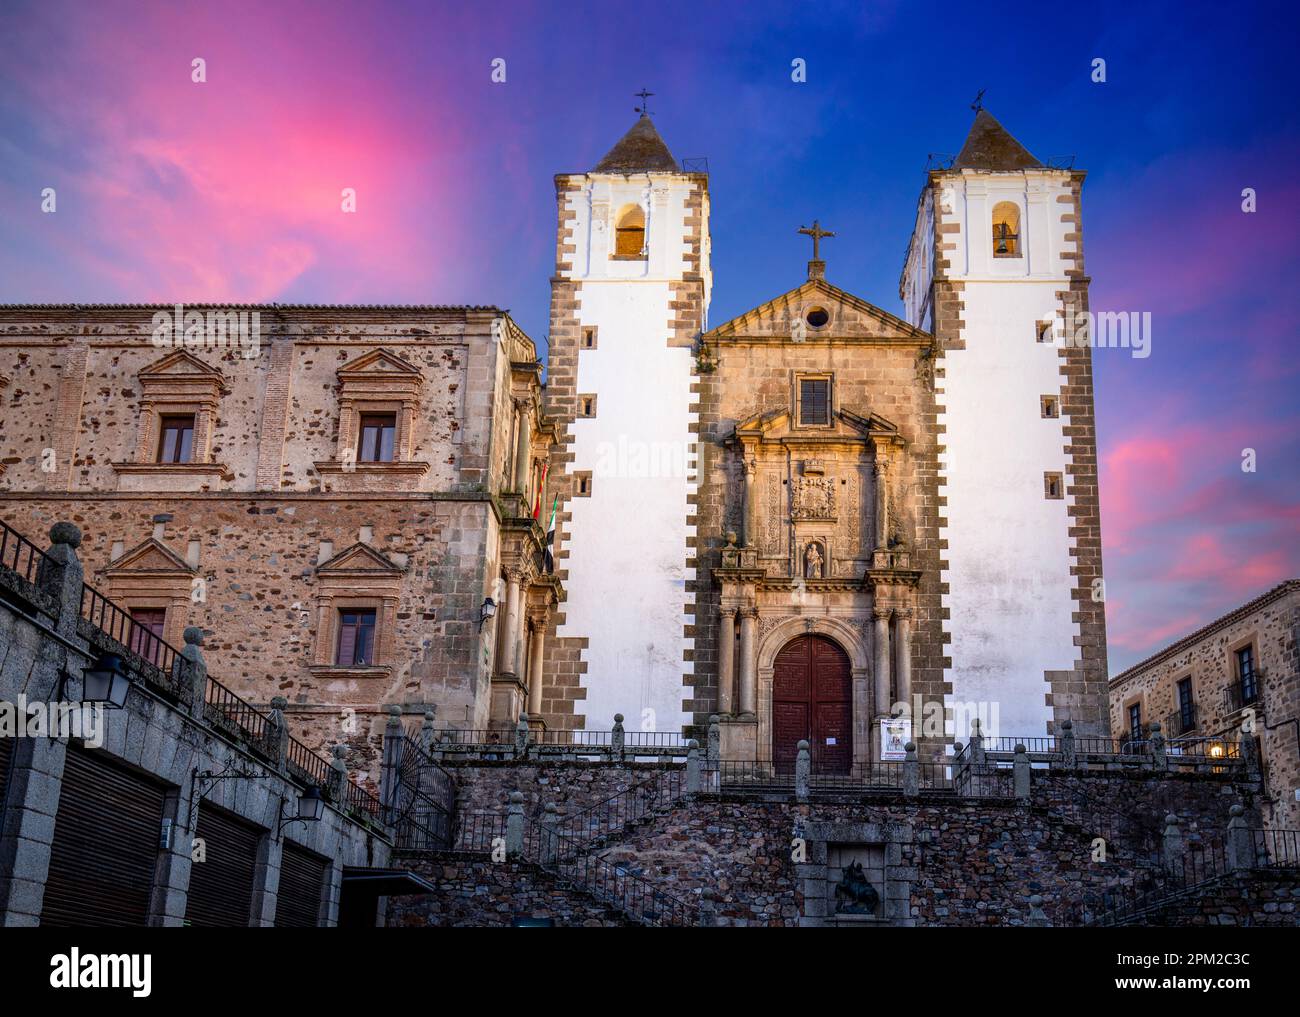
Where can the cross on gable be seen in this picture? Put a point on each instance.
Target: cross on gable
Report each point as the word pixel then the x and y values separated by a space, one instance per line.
pixel 816 232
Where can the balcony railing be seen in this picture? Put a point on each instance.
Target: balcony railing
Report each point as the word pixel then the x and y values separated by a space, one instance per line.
pixel 1181 721
pixel 1241 694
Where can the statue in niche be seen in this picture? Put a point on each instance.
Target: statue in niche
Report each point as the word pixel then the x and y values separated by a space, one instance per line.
pixel 813 563
pixel 853 894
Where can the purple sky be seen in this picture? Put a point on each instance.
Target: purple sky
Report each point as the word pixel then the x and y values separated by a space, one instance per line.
pixel 229 191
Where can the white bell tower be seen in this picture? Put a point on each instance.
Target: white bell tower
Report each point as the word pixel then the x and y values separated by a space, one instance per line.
pixel 629 301
pixel 996 258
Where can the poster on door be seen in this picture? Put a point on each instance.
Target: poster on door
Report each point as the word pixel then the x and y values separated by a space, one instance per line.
pixel 895 733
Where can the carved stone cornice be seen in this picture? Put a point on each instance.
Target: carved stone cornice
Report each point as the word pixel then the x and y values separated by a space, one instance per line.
pixel 884 578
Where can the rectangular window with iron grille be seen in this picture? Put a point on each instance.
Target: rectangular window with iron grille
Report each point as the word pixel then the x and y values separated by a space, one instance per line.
pixel 814 402
pixel 1135 722
pixel 1246 676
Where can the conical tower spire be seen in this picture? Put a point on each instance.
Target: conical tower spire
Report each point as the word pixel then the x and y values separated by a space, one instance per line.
pixel 990 146
pixel 640 150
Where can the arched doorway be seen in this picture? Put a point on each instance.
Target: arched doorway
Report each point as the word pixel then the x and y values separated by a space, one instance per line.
pixel 812 698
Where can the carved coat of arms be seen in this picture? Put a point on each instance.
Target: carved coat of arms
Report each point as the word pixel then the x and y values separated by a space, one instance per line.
pixel 813 498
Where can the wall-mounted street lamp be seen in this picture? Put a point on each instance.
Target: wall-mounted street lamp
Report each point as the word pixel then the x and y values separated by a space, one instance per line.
pixel 311 807
pixel 488 610
pixel 106 682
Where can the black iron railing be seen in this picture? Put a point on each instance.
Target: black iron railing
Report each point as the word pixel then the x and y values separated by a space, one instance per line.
pixel 619 811
pixel 1242 693
pixel 224 708
pixel 1090 745
pixel 138 640
pixel 420 799
pixel 982 780
pixel 309 765
pixel 479 831
pixel 1276 849
pixel 20 555
pixel 1181 721
pixel 1197 866
pixel 609 882
pixel 1041 745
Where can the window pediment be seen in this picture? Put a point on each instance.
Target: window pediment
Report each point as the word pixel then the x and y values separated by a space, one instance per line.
pixel 359 559
pixel 178 385
pixel 778 427
pixel 376 383
pixel 182 373
pixel 152 556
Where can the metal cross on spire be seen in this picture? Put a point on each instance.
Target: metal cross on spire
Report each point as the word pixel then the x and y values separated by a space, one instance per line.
pixel 978 104
pixel 644 96
pixel 816 232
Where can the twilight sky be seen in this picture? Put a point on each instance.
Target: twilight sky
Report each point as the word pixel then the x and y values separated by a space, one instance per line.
pixel 229 191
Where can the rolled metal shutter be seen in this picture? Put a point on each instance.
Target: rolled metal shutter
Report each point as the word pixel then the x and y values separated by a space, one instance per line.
pixel 106 842
pixel 221 887
pixel 302 885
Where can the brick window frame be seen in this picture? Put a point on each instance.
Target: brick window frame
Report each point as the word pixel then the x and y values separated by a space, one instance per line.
pixel 4 381
pixel 378 383
pixel 178 385
pixel 1053 486
pixel 1050 407
pixel 357 578
pixel 151 576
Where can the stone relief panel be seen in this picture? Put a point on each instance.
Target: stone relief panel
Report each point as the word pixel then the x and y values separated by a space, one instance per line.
pixel 813 498
pixel 849 531
pixel 773 525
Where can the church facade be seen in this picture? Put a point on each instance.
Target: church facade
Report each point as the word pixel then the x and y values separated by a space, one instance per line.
pixel 819 521
pixel 875 517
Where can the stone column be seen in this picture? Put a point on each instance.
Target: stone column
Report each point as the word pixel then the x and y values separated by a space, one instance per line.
pixel 726 658
pixel 904 635
pixel 266 879
pixel 881 615
pixel 515 824
pixel 1241 842
pixel 750 514
pixel 748 662
pixel 1020 774
pixel 514 617
pixel 535 668
pixel 523 445
pixel 882 497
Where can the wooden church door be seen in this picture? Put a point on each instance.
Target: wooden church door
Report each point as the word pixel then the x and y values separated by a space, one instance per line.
pixel 812 698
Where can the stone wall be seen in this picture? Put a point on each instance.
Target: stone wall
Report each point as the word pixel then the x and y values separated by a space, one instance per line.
pixel 1264 899
pixel 474 891
pixel 1270 625
pixel 965 862
pixel 240 538
pixel 484 788
pixel 165 742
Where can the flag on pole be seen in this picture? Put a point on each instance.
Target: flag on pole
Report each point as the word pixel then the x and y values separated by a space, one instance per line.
pixel 537 498
pixel 549 551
